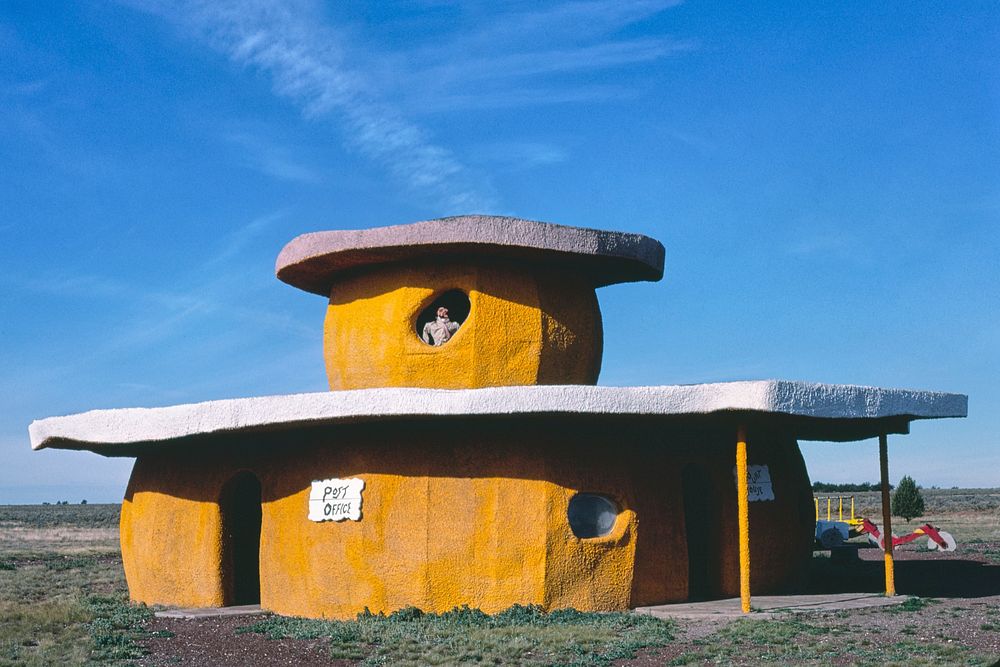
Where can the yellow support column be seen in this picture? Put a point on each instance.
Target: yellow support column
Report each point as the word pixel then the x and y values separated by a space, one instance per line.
pixel 883 456
pixel 743 504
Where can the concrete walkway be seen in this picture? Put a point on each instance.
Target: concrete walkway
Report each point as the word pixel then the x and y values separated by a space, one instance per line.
pixel 210 612
pixel 764 606
pixel 771 606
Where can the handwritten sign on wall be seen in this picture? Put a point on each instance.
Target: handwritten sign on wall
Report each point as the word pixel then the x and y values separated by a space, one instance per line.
pixel 336 499
pixel 758 483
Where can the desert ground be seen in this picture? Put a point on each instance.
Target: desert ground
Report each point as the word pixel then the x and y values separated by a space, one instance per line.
pixel 63 601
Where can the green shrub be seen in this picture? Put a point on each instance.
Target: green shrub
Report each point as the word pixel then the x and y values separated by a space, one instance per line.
pixel 115 627
pixel 912 603
pixel 906 500
pixel 524 635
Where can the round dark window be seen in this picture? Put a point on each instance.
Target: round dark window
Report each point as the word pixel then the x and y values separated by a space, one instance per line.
pixel 443 317
pixel 591 515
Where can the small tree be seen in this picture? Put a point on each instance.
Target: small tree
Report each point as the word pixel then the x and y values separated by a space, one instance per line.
pixel 907 501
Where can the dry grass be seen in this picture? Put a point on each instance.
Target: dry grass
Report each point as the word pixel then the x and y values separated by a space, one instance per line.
pixel 45 612
pixel 62 588
pixel 61 529
pixel 62 602
pixel 62 540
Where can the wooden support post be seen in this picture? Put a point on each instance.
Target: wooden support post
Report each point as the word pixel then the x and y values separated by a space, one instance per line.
pixel 883 457
pixel 743 505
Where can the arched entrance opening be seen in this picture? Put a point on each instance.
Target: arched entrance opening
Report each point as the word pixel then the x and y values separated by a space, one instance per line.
pixel 240 505
pixel 699 522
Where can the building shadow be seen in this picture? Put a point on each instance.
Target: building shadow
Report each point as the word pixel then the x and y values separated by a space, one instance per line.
pixel 953 576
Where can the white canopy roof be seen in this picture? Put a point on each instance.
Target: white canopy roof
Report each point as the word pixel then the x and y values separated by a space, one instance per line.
pixel 804 410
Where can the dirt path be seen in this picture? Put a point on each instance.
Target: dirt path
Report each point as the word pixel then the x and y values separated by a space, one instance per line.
pixel 213 641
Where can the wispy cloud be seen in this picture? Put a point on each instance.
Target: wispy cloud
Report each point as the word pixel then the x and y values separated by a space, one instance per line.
pixel 25 88
pixel 699 144
pixel 820 243
pixel 307 63
pixel 518 155
pixel 539 56
pixel 236 241
pixel 492 98
pixel 217 287
pixel 818 237
pixel 272 159
pixel 555 22
pixel 66 283
pixel 568 60
pixel 472 56
pixel 48 142
pixel 211 295
pixel 209 279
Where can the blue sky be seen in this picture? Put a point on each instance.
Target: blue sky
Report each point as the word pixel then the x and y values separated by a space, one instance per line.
pixel 826 181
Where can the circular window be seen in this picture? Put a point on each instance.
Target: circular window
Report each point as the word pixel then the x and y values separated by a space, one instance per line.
pixel 591 515
pixel 439 321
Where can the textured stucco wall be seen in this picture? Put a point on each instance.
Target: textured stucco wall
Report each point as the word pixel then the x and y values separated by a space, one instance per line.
pixel 527 325
pixel 475 514
pixel 171 529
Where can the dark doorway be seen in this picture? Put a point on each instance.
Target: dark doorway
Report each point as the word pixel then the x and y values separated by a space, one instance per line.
pixel 241 515
pixel 699 521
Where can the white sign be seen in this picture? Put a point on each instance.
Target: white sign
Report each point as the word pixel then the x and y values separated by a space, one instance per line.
pixel 336 499
pixel 758 483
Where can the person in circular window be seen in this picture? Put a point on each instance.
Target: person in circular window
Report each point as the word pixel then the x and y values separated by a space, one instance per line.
pixel 439 331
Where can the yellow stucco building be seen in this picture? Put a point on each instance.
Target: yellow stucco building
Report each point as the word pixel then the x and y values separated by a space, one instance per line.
pixel 465 455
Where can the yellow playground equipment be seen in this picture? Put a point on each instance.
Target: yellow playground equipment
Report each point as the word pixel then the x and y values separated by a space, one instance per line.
pixel 854 522
pixel 832 532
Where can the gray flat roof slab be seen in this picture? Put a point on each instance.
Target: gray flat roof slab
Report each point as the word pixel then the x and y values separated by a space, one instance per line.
pixel 807 411
pixel 312 261
pixel 771 606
